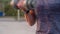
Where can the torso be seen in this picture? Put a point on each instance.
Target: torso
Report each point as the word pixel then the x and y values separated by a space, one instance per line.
pixel 46 16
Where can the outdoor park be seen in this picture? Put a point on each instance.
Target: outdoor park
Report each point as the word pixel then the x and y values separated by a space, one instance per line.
pixel 12 20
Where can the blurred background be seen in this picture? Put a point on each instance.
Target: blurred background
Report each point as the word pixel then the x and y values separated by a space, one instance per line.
pixel 7 11
pixel 12 20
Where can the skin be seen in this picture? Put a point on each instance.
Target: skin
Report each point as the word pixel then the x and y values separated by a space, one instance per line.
pixel 30 17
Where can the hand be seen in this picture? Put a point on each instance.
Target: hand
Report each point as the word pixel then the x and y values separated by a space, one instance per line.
pixel 30 17
pixel 21 3
pixel 12 3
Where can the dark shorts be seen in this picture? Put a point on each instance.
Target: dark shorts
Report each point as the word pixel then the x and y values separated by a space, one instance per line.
pixel 48 18
pixel 54 22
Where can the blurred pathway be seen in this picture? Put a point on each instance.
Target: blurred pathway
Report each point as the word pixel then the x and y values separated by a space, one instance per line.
pixel 16 27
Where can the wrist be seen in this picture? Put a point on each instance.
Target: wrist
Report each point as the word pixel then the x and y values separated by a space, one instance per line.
pixel 26 12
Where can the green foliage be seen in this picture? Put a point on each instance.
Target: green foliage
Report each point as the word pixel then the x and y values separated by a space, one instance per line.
pixel 9 11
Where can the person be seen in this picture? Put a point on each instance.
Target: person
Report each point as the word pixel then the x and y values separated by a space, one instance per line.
pixel 47 15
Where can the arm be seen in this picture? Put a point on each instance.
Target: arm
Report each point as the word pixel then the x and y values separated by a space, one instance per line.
pixel 30 17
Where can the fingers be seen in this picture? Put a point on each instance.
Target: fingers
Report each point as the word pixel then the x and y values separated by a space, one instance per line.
pixel 12 3
pixel 20 4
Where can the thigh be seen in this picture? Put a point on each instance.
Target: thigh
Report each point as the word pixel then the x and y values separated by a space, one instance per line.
pixel 55 29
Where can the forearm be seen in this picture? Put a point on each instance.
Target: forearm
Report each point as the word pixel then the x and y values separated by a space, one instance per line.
pixel 30 18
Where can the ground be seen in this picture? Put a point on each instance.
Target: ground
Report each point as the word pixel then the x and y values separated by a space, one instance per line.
pixel 11 26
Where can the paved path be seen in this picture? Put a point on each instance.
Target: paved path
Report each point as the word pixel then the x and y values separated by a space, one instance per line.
pixel 16 27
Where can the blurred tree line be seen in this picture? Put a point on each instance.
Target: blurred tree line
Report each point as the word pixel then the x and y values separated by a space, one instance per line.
pixel 8 10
